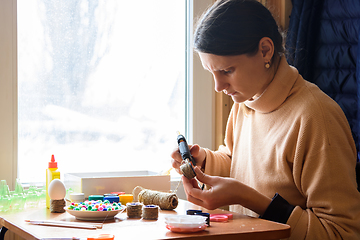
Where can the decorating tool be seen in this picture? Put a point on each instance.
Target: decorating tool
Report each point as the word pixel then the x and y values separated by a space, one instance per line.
pixel 184 149
pixel 187 168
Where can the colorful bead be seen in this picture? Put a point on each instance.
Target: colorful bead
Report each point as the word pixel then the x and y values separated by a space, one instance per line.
pixel 94 205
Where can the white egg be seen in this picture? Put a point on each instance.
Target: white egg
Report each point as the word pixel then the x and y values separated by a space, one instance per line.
pixel 57 189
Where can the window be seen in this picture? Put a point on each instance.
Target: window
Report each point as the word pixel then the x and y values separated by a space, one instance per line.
pixel 101 84
pixel 109 99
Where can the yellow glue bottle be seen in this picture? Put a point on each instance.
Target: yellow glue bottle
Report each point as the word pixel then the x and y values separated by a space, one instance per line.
pixel 51 174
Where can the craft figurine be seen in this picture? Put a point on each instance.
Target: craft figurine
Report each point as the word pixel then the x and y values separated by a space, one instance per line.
pixel 57 193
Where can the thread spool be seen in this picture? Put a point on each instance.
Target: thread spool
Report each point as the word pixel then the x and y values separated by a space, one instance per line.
pixel 187 170
pixel 192 211
pixel 166 201
pixel 57 206
pixel 150 212
pixel 134 209
pixel 136 192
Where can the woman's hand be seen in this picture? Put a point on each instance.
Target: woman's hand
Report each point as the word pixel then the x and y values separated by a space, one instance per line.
pixel 196 151
pixel 222 192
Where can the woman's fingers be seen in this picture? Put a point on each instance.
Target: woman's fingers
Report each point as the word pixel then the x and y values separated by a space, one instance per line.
pixel 176 160
pixel 191 187
pixel 202 177
pixel 198 153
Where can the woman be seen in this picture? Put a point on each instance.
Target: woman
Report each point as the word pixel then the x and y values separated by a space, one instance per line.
pixel 289 155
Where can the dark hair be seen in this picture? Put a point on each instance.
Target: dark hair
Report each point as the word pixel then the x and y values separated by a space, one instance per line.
pixel 235 27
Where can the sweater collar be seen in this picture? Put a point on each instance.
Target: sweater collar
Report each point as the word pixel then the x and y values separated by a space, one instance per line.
pixel 277 91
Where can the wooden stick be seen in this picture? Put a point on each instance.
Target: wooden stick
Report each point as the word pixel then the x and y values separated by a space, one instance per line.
pixel 65 224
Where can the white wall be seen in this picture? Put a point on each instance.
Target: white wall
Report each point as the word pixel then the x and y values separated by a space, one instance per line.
pixel 8 92
pixel 202 94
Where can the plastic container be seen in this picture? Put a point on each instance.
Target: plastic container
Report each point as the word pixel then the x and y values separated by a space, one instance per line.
pixel 18 197
pixel 96 197
pixel 112 199
pixel 126 198
pixel 42 196
pixel 5 198
pixel 77 197
pixel 207 215
pixel 32 197
pixel 51 174
pixel 192 211
pixel 185 221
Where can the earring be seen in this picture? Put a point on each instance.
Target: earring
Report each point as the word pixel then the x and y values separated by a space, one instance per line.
pixel 267 65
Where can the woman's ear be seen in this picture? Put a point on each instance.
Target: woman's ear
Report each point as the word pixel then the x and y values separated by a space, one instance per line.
pixel 266 47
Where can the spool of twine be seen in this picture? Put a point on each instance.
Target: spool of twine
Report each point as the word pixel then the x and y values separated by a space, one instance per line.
pixel 57 206
pixel 187 170
pixel 134 209
pixel 166 201
pixel 150 212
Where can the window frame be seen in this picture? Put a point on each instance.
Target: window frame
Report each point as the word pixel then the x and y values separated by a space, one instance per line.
pixel 200 113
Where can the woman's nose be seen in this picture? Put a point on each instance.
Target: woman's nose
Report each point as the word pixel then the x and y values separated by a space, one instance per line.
pixel 220 84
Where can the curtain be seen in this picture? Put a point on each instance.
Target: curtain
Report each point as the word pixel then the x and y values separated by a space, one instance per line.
pixel 302 34
pixel 322 43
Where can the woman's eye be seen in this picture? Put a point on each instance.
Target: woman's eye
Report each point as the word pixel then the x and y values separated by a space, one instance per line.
pixel 227 71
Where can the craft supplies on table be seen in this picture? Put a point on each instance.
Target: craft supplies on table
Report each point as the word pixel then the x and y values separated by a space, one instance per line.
pixel 240 227
pixel 52 173
pixel 95 210
pixel 77 197
pixel 5 199
pixel 65 224
pixel 20 198
pixel 112 198
pixel 126 198
pixel 150 212
pixel 96 197
pixel 134 209
pixel 192 211
pixel 185 223
pixel 57 193
pixel 223 217
pixel 101 237
pixel 164 200
pixel 118 193
pixel 204 214
pixel 99 183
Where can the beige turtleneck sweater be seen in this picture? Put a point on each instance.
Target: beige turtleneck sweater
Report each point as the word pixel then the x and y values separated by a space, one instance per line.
pixel 295 140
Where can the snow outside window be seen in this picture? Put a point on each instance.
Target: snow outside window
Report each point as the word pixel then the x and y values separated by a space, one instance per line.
pixel 101 84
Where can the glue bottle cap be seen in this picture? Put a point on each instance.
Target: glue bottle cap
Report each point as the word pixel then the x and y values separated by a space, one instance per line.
pixel 53 164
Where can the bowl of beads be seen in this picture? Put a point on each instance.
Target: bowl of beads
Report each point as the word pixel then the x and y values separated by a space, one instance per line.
pixel 94 210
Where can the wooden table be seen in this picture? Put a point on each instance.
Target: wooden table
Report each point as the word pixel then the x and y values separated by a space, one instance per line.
pixel 241 227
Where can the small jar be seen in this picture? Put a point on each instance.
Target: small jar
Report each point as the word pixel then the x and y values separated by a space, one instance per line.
pixel 77 197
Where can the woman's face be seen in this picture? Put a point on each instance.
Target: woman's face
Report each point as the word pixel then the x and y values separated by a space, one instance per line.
pixel 242 77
